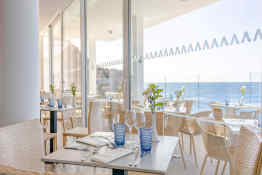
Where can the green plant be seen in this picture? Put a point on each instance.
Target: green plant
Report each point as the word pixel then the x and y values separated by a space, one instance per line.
pixel 153 93
pixel 73 88
pixel 243 90
pixel 52 88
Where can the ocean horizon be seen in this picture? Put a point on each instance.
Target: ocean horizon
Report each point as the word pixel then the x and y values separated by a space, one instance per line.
pixel 205 92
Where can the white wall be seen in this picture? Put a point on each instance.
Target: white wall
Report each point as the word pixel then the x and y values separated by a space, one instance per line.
pixel 1 65
pixel 21 63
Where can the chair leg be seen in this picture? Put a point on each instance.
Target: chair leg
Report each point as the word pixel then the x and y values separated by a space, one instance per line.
pixel 45 151
pixel 194 150
pixel 182 139
pixel 203 165
pixel 224 168
pixel 55 143
pixel 190 143
pixel 182 154
pixel 64 140
pixel 218 162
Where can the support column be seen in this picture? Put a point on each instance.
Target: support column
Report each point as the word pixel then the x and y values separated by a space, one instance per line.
pixel 137 59
pixel 92 65
pixel 41 61
pixel 20 61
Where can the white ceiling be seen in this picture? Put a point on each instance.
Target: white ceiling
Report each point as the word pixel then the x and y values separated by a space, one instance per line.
pixel 105 17
pixel 48 9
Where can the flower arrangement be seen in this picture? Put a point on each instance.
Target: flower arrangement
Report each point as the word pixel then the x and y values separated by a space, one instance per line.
pixel 52 88
pixel 73 88
pixel 180 92
pixel 152 94
pixel 243 90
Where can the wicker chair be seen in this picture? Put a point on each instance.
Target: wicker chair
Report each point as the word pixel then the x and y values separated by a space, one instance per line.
pixel 172 128
pixel 190 128
pixel 47 136
pixel 247 157
pixel 97 121
pixel 7 170
pixel 217 113
pixel 216 146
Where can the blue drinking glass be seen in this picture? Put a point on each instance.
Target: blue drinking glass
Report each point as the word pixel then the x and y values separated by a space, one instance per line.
pixel 42 100
pixel 120 134
pixel 145 135
pixel 59 104
pixel 51 102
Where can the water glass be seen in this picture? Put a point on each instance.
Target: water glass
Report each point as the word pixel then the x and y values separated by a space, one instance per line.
pixel 145 135
pixel 42 99
pixel 120 134
pixel 130 120
pixel 51 102
pixel 59 104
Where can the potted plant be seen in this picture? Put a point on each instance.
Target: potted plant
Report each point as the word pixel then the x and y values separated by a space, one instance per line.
pixel 52 96
pixel 243 91
pixel 152 94
pixel 73 88
pixel 179 94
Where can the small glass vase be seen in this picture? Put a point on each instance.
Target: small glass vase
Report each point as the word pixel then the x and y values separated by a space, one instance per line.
pixel 155 137
pixel 242 100
pixel 74 101
pixel 51 101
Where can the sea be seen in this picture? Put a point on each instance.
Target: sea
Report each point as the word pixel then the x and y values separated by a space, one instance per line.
pixel 205 92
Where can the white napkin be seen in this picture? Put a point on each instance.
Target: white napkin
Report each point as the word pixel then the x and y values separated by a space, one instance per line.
pixel 77 146
pixel 93 141
pixel 110 155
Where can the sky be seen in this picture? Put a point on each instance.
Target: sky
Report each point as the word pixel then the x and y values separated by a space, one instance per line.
pixel 236 63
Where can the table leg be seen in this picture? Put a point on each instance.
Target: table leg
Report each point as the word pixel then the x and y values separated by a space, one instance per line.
pixel 53 128
pixel 119 172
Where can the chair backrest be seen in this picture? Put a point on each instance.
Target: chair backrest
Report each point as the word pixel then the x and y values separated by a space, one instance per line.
pixel 188 106
pixel 247 155
pixel 217 113
pixel 173 125
pixel 159 121
pixel 215 145
pixel 97 121
pixel 202 114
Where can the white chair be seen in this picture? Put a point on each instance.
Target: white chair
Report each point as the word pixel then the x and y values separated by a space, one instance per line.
pixel 247 156
pixel 172 128
pixel 216 146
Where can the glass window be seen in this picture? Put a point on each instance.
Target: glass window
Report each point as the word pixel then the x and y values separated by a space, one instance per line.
pixel 105 48
pixel 71 47
pixel 46 63
pixel 57 76
pixel 198 49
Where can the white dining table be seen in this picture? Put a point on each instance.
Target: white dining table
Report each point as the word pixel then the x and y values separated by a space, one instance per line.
pixel 156 162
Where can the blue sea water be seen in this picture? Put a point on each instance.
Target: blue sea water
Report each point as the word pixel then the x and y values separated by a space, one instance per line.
pixel 205 92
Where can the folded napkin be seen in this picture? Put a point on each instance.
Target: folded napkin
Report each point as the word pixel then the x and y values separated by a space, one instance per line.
pixel 110 154
pixel 93 141
pixel 77 146
pixel 103 134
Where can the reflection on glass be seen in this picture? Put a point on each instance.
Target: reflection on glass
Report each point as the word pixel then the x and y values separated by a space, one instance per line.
pixel 71 47
pixel 57 76
pixel 46 63
pixel 105 45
